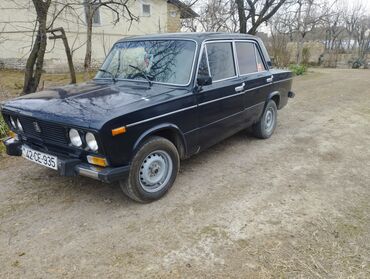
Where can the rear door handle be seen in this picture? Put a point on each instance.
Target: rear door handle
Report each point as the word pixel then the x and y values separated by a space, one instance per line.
pixel 240 88
pixel 270 79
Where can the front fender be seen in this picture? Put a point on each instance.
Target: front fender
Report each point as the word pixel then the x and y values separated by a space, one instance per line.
pixel 157 129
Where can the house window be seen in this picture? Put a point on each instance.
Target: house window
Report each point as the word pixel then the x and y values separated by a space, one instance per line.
pixel 92 7
pixel 145 9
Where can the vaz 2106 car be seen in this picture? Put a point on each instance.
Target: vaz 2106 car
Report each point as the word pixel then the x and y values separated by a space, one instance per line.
pixel 156 99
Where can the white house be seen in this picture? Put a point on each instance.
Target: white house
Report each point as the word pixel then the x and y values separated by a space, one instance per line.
pixel 17 24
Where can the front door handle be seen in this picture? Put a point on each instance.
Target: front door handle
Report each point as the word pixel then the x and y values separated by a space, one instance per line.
pixel 240 88
pixel 270 79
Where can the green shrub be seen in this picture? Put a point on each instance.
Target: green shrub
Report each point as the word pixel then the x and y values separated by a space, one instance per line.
pixel 298 69
pixel 3 128
pixel 357 63
pixel 3 133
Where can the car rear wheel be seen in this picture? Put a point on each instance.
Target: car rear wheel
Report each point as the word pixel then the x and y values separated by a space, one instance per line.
pixel 265 127
pixel 153 171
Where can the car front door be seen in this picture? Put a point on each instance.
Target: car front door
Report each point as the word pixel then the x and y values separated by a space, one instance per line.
pixel 220 104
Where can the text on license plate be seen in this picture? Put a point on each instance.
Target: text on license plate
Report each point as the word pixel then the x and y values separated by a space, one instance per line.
pixel 40 158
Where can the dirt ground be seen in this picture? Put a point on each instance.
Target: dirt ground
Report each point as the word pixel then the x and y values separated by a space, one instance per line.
pixel 294 206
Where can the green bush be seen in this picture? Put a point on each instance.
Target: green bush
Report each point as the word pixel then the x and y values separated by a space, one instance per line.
pixel 3 133
pixel 298 69
pixel 357 63
pixel 3 128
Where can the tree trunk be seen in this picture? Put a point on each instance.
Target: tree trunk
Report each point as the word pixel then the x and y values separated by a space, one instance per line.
pixel 253 30
pixel 63 36
pixel 35 60
pixel 300 49
pixel 87 63
pixel 242 17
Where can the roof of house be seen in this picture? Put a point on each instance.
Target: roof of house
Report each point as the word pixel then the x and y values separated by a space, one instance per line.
pixel 185 10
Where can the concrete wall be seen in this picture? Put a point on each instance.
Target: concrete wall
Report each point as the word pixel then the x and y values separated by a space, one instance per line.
pixel 16 28
pixel 315 49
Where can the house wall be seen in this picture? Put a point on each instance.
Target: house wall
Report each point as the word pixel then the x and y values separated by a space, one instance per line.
pixel 173 18
pixel 16 32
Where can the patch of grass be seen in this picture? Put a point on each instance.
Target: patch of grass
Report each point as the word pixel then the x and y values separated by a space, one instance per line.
pixel 3 133
pixel 11 82
pixel 3 127
pixel 298 69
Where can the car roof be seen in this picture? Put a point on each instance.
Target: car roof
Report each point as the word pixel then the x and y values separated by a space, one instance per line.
pixel 198 36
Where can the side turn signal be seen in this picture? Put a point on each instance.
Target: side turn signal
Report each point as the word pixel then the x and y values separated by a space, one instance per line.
pixel 118 131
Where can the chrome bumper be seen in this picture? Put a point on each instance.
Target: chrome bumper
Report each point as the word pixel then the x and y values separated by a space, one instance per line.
pixel 73 167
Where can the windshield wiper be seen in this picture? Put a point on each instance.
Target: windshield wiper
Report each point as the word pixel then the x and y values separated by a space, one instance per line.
pixel 143 74
pixel 109 73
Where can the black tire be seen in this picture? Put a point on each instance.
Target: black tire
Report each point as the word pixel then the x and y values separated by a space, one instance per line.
pixel 164 151
pixel 262 129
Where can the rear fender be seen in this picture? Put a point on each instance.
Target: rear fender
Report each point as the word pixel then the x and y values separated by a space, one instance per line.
pixel 275 95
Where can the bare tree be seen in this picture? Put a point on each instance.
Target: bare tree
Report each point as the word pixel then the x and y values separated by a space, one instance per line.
pixel 35 60
pixel 119 8
pixel 303 18
pixel 59 33
pixel 258 12
pixel 214 16
pixel 362 37
pixel 333 26
pixel 281 35
pixel 352 17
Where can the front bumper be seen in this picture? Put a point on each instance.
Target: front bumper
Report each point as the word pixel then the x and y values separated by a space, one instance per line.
pixel 73 167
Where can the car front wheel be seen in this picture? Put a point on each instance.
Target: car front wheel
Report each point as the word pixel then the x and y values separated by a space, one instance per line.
pixel 153 171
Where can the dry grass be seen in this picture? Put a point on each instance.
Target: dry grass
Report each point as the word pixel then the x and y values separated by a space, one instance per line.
pixel 11 82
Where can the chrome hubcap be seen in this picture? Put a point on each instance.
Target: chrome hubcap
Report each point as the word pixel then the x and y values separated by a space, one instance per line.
pixel 155 171
pixel 269 120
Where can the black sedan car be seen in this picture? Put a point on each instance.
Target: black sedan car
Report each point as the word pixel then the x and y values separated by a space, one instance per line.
pixel 156 99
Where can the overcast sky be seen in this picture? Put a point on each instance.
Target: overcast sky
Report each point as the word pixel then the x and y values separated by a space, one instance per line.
pixel 365 3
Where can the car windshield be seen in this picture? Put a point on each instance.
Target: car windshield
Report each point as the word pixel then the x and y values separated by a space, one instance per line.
pixel 165 61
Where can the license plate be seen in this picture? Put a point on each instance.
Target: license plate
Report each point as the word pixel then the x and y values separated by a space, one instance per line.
pixel 40 158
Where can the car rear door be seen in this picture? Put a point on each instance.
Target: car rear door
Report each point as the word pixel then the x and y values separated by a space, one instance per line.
pixel 221 103
pixel 255 76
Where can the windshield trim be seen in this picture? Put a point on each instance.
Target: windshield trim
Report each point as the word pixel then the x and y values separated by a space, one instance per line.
pixel 157 82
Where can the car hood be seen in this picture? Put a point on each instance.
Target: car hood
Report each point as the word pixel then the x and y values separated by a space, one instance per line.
pixel 86 104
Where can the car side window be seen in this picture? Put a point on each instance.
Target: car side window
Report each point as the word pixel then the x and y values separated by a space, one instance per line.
pixel 203 65
pixel 221 60
pixel 260 66
pixel 246 56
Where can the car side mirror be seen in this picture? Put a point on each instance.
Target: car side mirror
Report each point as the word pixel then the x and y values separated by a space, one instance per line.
pixel 203 80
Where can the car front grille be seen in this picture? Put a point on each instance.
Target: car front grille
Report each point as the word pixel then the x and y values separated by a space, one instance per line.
pixel 45 131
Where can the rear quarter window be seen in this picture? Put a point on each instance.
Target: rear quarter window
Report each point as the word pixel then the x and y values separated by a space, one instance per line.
pixel 246 56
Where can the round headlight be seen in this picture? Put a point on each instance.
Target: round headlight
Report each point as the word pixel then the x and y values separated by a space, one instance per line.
pixel 13 123
pixel 91 142
pixel 75 138
pixel 19 125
